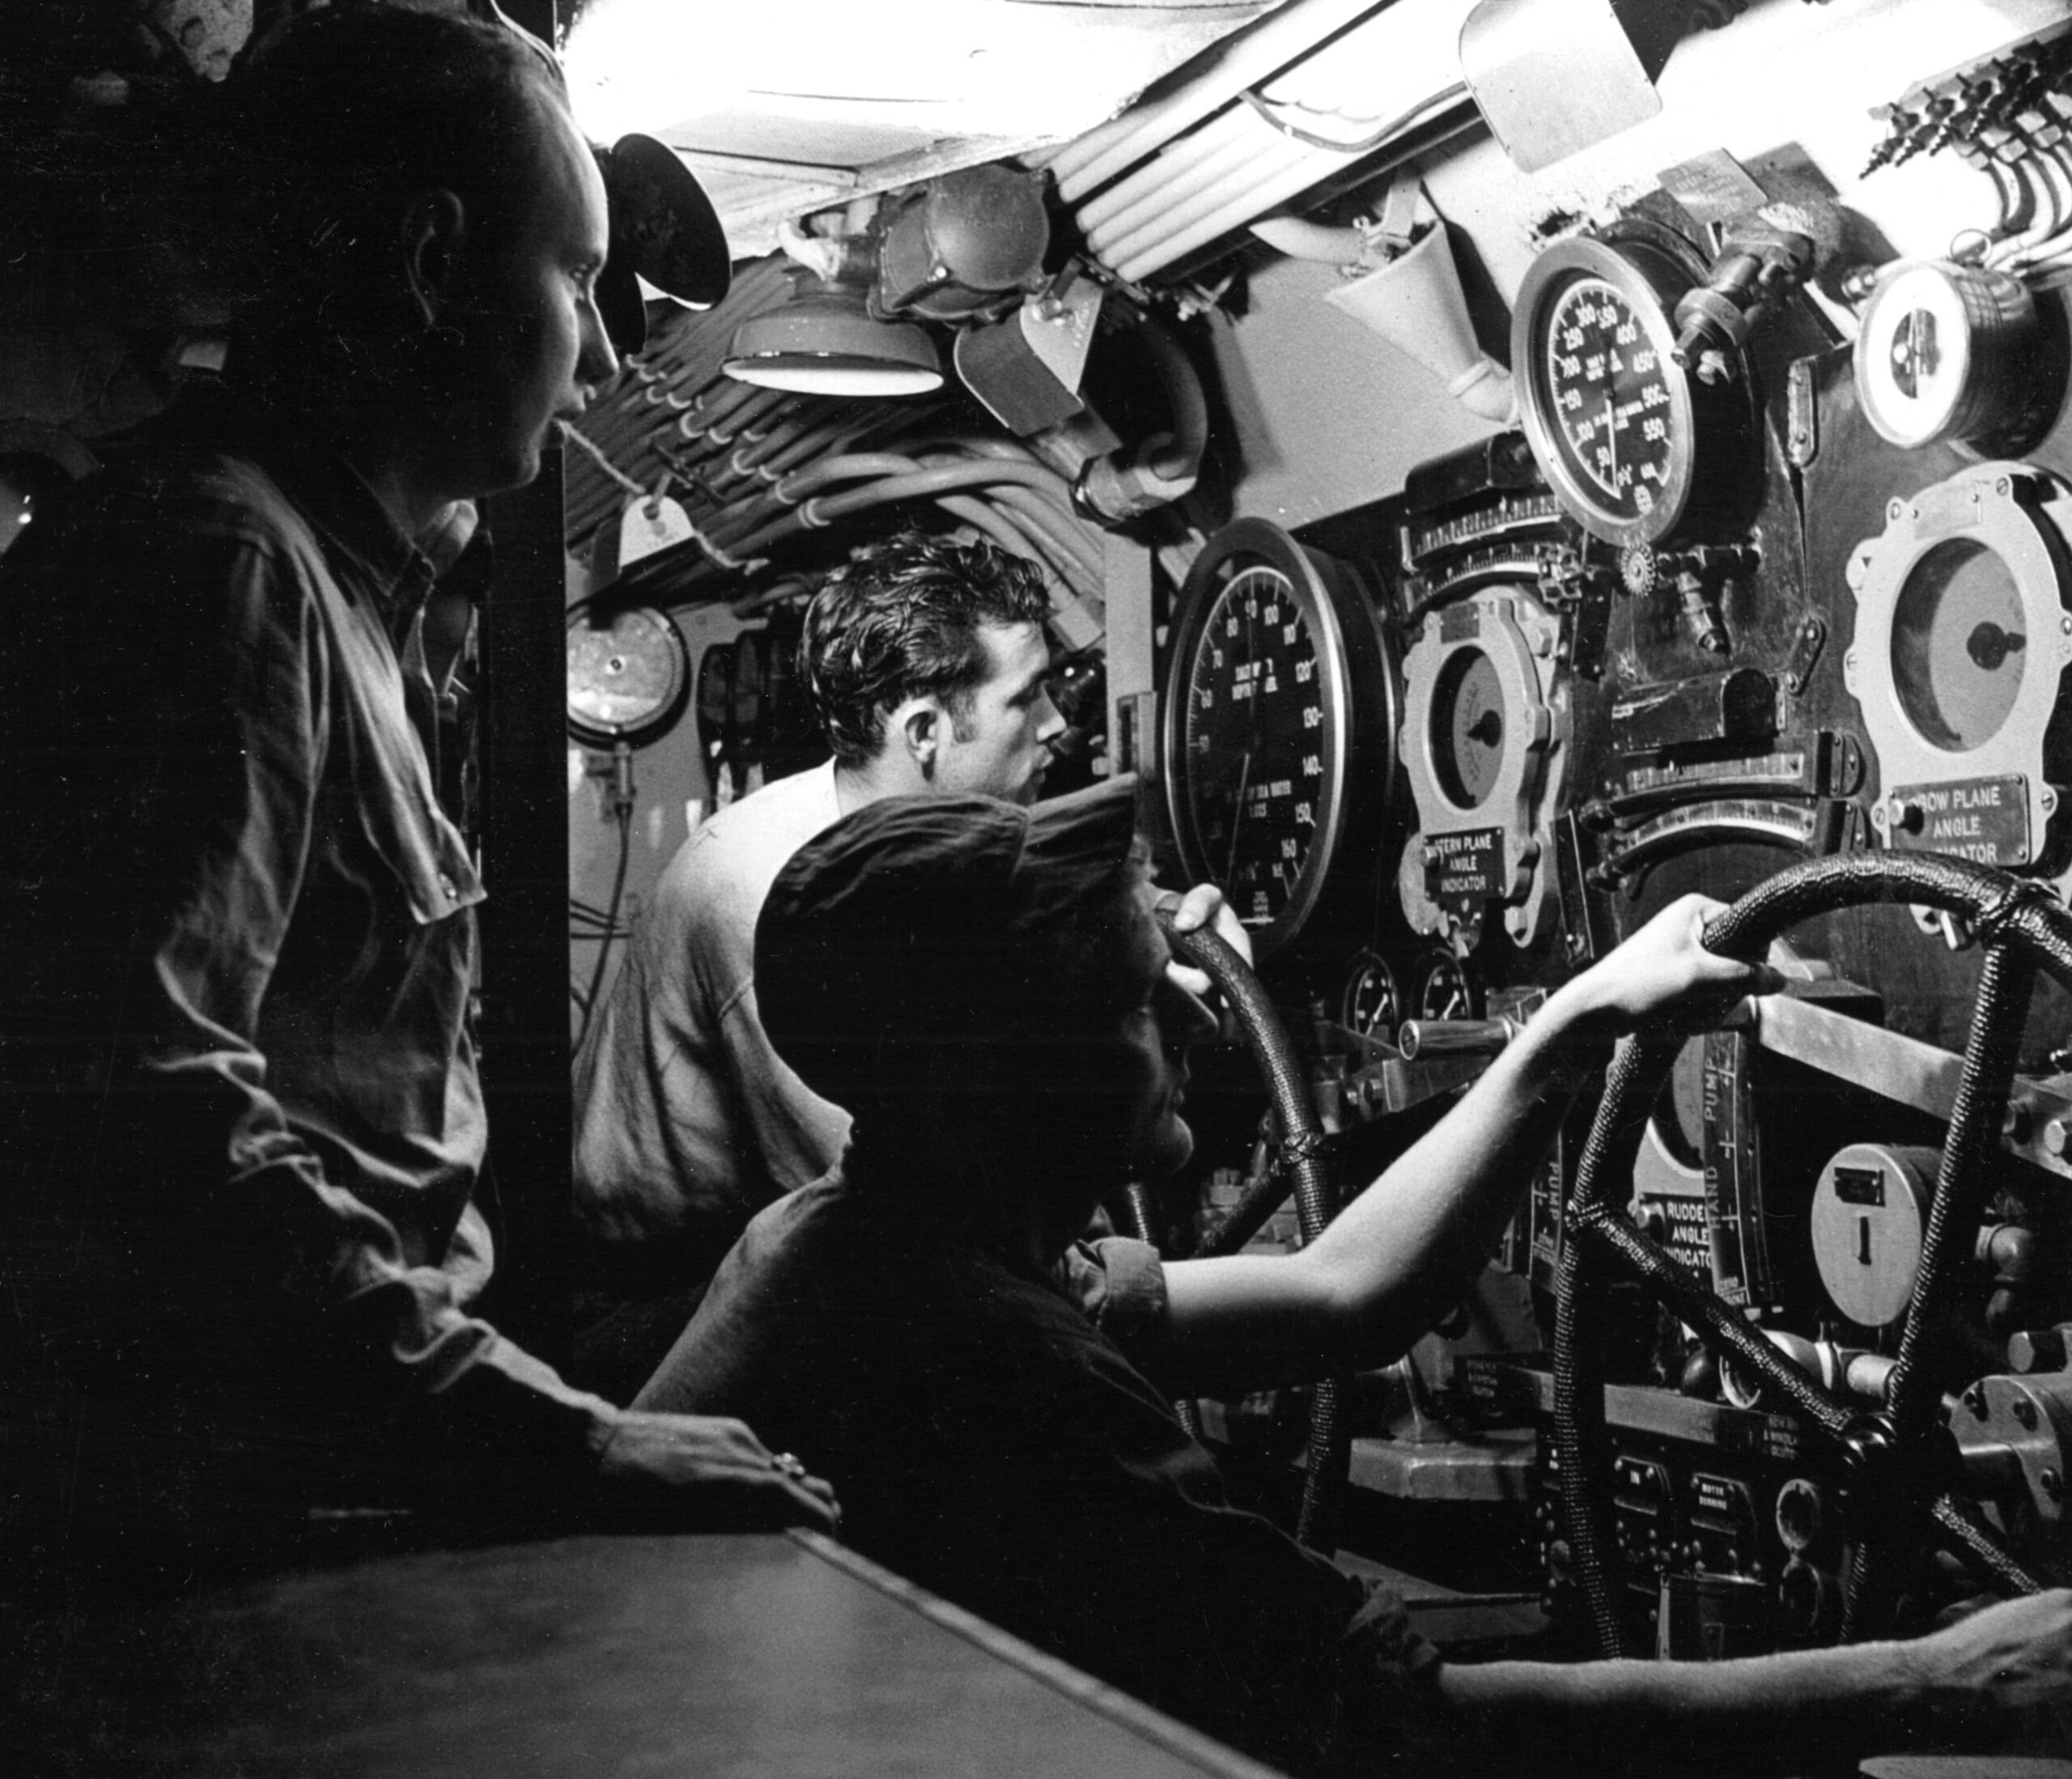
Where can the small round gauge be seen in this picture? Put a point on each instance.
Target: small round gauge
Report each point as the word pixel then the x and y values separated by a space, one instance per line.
pixel 1279 726
pixel 627 677
pixel 1468 727
pixel 1946 351
pixel 1371 1003
pixel 1445 988
pixel 1624 436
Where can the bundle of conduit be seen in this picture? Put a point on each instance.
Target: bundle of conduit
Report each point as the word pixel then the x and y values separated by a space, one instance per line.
pixel 1303 96
pixel 752 468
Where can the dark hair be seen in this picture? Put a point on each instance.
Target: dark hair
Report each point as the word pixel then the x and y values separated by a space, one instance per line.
pixel 900 622
pixel 338 118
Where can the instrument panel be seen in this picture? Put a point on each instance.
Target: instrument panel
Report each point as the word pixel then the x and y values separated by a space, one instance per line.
pixel 1679 631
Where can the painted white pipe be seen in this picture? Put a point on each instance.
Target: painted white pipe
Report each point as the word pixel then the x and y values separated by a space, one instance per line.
pixel 1171 162
pixel 1305 241
pixel 1174 185
pixel 1274 173
pixel 1260 149
pixel 1245 60
pixel 1284 177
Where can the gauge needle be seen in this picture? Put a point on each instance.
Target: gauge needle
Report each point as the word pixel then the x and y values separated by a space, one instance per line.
pixel 1238 817
pixel 1611 436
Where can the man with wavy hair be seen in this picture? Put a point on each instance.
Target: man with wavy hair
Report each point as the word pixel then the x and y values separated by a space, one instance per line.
pixel 926 663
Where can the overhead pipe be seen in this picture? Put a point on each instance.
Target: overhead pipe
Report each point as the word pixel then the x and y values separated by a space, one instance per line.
pixel 1255 126
pixel 822 510
pixel 1174 192
pixel 1227 157
pixel 1253 55
pixel 1271 157
pixel 1302 239
pixel 838 431
pixel 1146 258
pixel 1063 536
pixel 996 526
pixel 1204 155
pixel 1010 529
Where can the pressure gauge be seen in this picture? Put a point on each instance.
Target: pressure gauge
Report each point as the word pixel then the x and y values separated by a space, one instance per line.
pixel 627 675
pixel 1279 727
pixel 1370 1004
pixel 1956 352
pixel 1626 437
pixel 1445 987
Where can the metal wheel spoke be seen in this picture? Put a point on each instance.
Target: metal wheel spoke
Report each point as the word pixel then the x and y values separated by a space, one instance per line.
pixel 1890 1453
pixel 1678 1289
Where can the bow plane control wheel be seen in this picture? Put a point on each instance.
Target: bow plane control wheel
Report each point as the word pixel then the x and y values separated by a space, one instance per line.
pixel 1903 1478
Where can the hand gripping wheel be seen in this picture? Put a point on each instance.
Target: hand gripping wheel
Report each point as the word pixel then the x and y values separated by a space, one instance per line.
pixel 1899 1458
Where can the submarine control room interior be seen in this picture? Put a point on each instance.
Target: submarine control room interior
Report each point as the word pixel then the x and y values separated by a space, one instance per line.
pixel 1413 492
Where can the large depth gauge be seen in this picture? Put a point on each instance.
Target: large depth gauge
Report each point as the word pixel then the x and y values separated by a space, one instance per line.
pixel 1280 726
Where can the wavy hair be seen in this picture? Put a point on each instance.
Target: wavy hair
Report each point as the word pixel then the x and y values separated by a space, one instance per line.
pixel 900 620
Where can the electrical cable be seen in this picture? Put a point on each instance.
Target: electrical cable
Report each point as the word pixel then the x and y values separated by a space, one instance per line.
pixel 623 803
pixel 1281 185
pixel 1364 145
pixel 1288 38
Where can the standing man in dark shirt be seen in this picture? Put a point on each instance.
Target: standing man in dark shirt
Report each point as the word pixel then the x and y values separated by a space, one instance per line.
pixel 984 988
pixel 240 1114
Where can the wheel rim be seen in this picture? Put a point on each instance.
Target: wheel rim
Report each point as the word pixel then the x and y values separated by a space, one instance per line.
pixel 1302 1149
pixel 1892 1454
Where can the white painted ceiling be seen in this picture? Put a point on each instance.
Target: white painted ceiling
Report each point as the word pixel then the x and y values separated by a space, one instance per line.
pixel 783 107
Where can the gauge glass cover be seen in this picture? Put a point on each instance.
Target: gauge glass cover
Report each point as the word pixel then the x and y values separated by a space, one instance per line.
pixel 1959 645
pixel 1610 400
pixel 1369 1004
pixel 626 679
pixel 1468 727
pixel 1253 733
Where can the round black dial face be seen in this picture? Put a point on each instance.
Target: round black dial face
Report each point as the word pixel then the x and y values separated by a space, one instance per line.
pixel 1609 392
pixel 1468 727
pixel 1446 990
pixel 1254 743
pixel 1370 1005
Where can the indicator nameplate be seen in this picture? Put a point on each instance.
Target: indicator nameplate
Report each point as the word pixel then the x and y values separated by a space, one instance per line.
pixel 1864 1186
pixel 1985 820
pixel 1462 871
